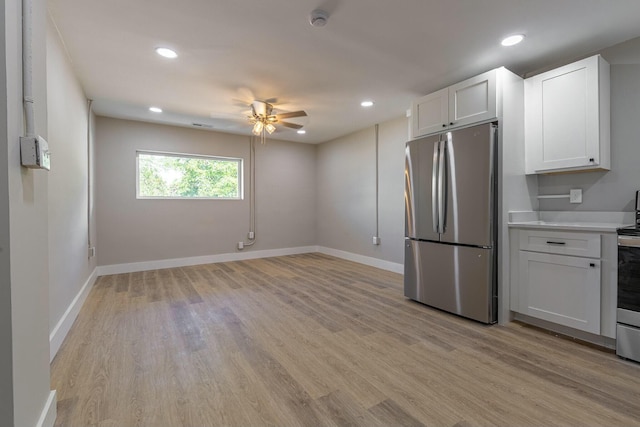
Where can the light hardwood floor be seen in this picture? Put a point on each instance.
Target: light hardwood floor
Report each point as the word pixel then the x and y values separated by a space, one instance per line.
pixel 314 340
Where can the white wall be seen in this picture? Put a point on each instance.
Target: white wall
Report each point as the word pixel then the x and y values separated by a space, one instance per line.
pixel 346 192
pixel 131 230
pixel 24 391
pixel 69 265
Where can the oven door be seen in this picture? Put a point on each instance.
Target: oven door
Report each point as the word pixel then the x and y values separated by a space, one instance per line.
pixel 629 273
pixel 628 326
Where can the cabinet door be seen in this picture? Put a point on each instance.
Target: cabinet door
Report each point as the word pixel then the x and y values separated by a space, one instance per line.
pixel 563 118
pixel 429 114
pixel 561 289
pixel 473 100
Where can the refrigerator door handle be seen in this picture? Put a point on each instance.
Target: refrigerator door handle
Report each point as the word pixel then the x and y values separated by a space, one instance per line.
pixel 442 215
pixel 434 187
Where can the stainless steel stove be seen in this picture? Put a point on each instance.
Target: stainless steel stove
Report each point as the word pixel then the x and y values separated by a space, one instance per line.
pixel 628 312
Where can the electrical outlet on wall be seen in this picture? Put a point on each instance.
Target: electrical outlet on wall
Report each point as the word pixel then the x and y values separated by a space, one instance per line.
pixel 575 195
pixel 376 240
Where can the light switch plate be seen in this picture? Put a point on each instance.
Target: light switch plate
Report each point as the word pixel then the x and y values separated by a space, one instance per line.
pixel 575 195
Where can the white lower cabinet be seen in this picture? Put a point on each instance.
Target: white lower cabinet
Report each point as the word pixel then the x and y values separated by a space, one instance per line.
pixel 561 289
pixel 565 277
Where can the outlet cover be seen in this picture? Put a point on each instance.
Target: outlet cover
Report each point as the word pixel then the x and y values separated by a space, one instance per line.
pixel 575 195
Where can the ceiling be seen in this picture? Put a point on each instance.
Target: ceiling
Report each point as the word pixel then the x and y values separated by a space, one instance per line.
pixel 388 51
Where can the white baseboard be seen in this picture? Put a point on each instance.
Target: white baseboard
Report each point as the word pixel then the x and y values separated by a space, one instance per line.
pixel 240 256
pixel 362 259
pixel 61 329
pixel 49 412
pixel 207 259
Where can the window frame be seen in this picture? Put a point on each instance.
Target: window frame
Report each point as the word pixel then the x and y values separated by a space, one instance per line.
pixel 238 160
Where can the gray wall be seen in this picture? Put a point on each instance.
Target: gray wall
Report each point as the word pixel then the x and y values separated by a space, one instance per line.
pixel 346 192
pixel 131 230
pixel 69 265
pixel 24 302
pixel 611 191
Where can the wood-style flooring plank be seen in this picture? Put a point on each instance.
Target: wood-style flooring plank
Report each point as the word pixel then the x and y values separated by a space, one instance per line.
pixel 316 340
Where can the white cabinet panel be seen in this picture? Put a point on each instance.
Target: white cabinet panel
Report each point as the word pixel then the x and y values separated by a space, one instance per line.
pixel 430 113
pixel 567 118
pixel 564 118
pixel 473 100
pixel 561 289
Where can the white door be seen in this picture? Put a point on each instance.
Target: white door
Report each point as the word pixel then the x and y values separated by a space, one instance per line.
pixel 561 289
pixel 429 114
pixel 563 117
pixel 473 100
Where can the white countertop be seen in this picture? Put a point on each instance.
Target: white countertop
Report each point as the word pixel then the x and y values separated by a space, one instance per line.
pixel 605 227
pixel 605 222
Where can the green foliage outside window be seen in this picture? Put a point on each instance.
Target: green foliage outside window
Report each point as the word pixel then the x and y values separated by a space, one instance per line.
pixel 174 176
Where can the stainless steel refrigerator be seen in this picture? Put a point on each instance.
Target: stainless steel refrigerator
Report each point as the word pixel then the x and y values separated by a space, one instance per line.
pixel 451 222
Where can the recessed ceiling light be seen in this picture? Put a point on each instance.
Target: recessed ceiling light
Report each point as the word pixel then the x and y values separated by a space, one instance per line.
pixel 366 103
pixel 166 52
pixel 512 40
pixel 155 109
pixel 302 131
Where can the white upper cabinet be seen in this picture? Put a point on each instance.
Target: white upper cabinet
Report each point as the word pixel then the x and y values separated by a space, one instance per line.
pixel 567 118
pixel 471 101
pixel 430 113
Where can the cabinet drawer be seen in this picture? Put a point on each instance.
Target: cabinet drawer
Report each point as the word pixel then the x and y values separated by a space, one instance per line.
pixel 562 243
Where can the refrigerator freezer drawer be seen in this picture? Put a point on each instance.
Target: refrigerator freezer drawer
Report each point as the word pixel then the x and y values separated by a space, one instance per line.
pixel 457 279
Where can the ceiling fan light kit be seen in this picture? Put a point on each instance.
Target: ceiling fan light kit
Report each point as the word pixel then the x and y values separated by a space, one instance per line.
pixel 257 128
pixel 263 119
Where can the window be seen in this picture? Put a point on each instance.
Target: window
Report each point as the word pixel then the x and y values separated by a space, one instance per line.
pixel 186 176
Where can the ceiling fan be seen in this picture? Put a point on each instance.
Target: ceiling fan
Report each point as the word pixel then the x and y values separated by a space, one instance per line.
pixel 263 119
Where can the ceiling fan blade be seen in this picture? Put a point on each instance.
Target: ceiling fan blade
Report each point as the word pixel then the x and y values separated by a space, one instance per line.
pixel 290 125
pixel 240 103
pixel 245 95
pixel 291 114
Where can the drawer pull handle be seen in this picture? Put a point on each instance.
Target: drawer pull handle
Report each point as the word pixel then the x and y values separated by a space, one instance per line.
pixel 550 242
pixel 592 265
